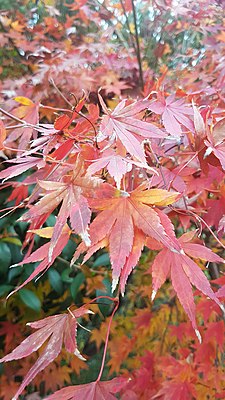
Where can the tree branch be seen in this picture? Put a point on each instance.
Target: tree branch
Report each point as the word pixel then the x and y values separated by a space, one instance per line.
pixel 138 46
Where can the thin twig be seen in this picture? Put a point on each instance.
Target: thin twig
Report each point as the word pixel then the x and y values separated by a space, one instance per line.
pixel 106 341
pixel 119 34
pixel 128 27
pixel 51 80
pixel 138 46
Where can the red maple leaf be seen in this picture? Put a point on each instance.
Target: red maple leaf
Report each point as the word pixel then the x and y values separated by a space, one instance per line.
pixel 175 390
pixel 184 273
pixel 123 224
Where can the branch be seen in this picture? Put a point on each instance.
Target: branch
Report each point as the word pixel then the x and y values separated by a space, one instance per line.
pixel 138 46
pixel 128 27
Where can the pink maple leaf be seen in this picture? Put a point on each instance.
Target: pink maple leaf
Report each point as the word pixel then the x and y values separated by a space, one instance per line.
pixel 175 114
pixel 98 390
pixel 58 329
pixel 124 124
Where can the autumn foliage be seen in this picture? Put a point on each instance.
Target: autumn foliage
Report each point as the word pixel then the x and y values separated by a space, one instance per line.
pixel 112 142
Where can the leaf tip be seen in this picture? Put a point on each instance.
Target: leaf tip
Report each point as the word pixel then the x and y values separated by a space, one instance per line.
pixel 90 312
pixel 198 334
pixel 86 238
pixel 14 265
pixel 10 294
pixel 77 354
pixel 222 308
pixel 114 283
pixel 153 295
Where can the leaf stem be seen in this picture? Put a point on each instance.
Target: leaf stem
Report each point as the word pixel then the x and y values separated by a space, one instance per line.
pixel 106 340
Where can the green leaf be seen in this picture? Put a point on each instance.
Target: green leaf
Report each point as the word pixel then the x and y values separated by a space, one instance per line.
pixel 14 272
pixel 77 282
pixel 50 221
pixel 5 257
pixel 103 259
pixel 65 276
pixel 5 289
pixel 68 250
pixel 55 280
pixel 30 299
pixel 105 309
pixel 13 240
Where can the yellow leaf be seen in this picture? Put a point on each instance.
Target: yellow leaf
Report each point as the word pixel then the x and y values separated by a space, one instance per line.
pixel 48 231
pixel 17 26
pixel 13 240
pixel 159 197
pixel 43 232
pixel 24 100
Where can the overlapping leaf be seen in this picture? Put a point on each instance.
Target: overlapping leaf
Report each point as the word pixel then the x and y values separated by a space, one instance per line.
pixel 123 217
pixel 28 112
pixel 175 114
pixel 42 253
pixel 184 272
pixel 124 124
pixel 58 329
pixel 116 165
pixel 98 390
pixel 74 204
pixel 216 142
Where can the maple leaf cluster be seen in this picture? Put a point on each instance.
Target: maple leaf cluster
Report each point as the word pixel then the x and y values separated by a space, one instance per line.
pixel 123 175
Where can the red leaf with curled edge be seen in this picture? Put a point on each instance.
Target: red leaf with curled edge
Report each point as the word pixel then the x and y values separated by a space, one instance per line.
pixel 174 114
pixel 74 204
pixel 124 124
pixel 41 254
pixel 184 273
pixel 121 215
pixel 64 120
pixel 98 390
pixel 58 329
